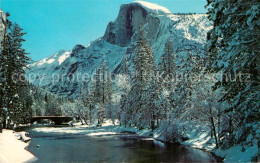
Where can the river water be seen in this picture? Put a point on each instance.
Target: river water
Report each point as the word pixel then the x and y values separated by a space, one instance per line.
pixel 71 147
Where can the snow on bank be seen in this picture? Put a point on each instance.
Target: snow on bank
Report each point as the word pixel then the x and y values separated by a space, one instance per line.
pixel 201 139
pixel 236 153
pixel 13 150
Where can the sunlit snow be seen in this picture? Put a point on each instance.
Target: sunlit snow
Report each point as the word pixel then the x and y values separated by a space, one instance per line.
pixel 63 57
pixel 153 7
pixel 50 61
pixel 12 149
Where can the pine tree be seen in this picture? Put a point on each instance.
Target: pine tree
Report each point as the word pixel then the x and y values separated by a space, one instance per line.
pixel 125 66
pixel 124 85
pixel 144 71
pixel 180 97
pixel 101 92
pixel 152 108
pixel 4 60
pixel 233 44
pixel 13 62
pixel 107 84
pixel 19 63
pixel 168 65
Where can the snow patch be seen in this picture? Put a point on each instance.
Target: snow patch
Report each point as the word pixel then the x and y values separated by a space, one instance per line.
pixel 41 62
pixel 63 57
pixel 12 149
pixel 50 61
pixel 154 8
pixel 236 154
pixel 102 133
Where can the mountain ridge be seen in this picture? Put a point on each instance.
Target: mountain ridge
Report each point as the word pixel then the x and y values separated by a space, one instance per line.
pixel 188 32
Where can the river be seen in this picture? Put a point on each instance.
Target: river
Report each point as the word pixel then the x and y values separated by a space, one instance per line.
pixel 78 147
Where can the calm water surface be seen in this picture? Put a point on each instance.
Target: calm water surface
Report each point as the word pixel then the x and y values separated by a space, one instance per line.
pixel 61 147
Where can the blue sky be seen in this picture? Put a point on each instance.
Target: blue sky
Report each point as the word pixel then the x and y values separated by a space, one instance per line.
pixel 52 25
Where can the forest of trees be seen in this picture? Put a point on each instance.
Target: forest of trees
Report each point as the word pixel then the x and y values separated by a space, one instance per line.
pixel 198 90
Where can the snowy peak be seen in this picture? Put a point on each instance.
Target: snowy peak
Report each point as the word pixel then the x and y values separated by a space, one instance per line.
pixel 55 59
pixel 153 8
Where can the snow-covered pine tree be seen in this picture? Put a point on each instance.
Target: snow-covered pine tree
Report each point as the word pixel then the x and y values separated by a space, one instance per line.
pixel 4 57
pixel 107 84
pixel 144 71
pixel 152 108
pixel 168 65
pixel 97 87
pixel 123 82
pixel 125 65
pixel 13 61
pixel 101 92
pixel 20 61
pixel 81 105
pixel 25 105
pixel 234 45
pixel 181 95
pixel 4 67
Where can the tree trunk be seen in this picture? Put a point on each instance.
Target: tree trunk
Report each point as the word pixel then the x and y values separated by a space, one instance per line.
pixel 152 125
pixel 1 128
pixel 218 125
pixel 213 126
pixel 214 130
pixel 4 121
pixel 230 125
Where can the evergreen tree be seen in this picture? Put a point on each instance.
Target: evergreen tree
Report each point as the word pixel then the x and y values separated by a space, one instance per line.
pixel 168 65
pixel 180 97
pixel 4 60
pixel 125 66
pixel 106 84
pixel 124 83
pixel 21 105
pixel 101 92
pixel 233 44
pixel 151 107
pixel 144 71
pixel 13 62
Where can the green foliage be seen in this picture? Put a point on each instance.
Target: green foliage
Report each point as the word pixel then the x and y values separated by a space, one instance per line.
pixel 15 95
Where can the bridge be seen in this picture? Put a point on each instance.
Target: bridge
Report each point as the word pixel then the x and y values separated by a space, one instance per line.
pixel 56 119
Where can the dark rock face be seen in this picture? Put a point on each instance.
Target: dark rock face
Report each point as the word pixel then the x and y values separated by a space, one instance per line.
pixel 130 18
pixel 76 49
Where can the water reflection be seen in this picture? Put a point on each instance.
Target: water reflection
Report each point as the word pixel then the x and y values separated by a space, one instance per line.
pixel 59 147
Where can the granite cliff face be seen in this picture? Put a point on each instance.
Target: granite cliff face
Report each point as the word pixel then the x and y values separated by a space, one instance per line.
pixel 130 18
pixel 2 26
pixel 188 33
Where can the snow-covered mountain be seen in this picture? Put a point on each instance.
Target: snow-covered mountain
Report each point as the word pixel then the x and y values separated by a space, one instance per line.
pixel 187 31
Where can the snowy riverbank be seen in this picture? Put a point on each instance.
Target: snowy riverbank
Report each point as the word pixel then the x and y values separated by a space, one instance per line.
pixel 201 139
pixel 13 150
